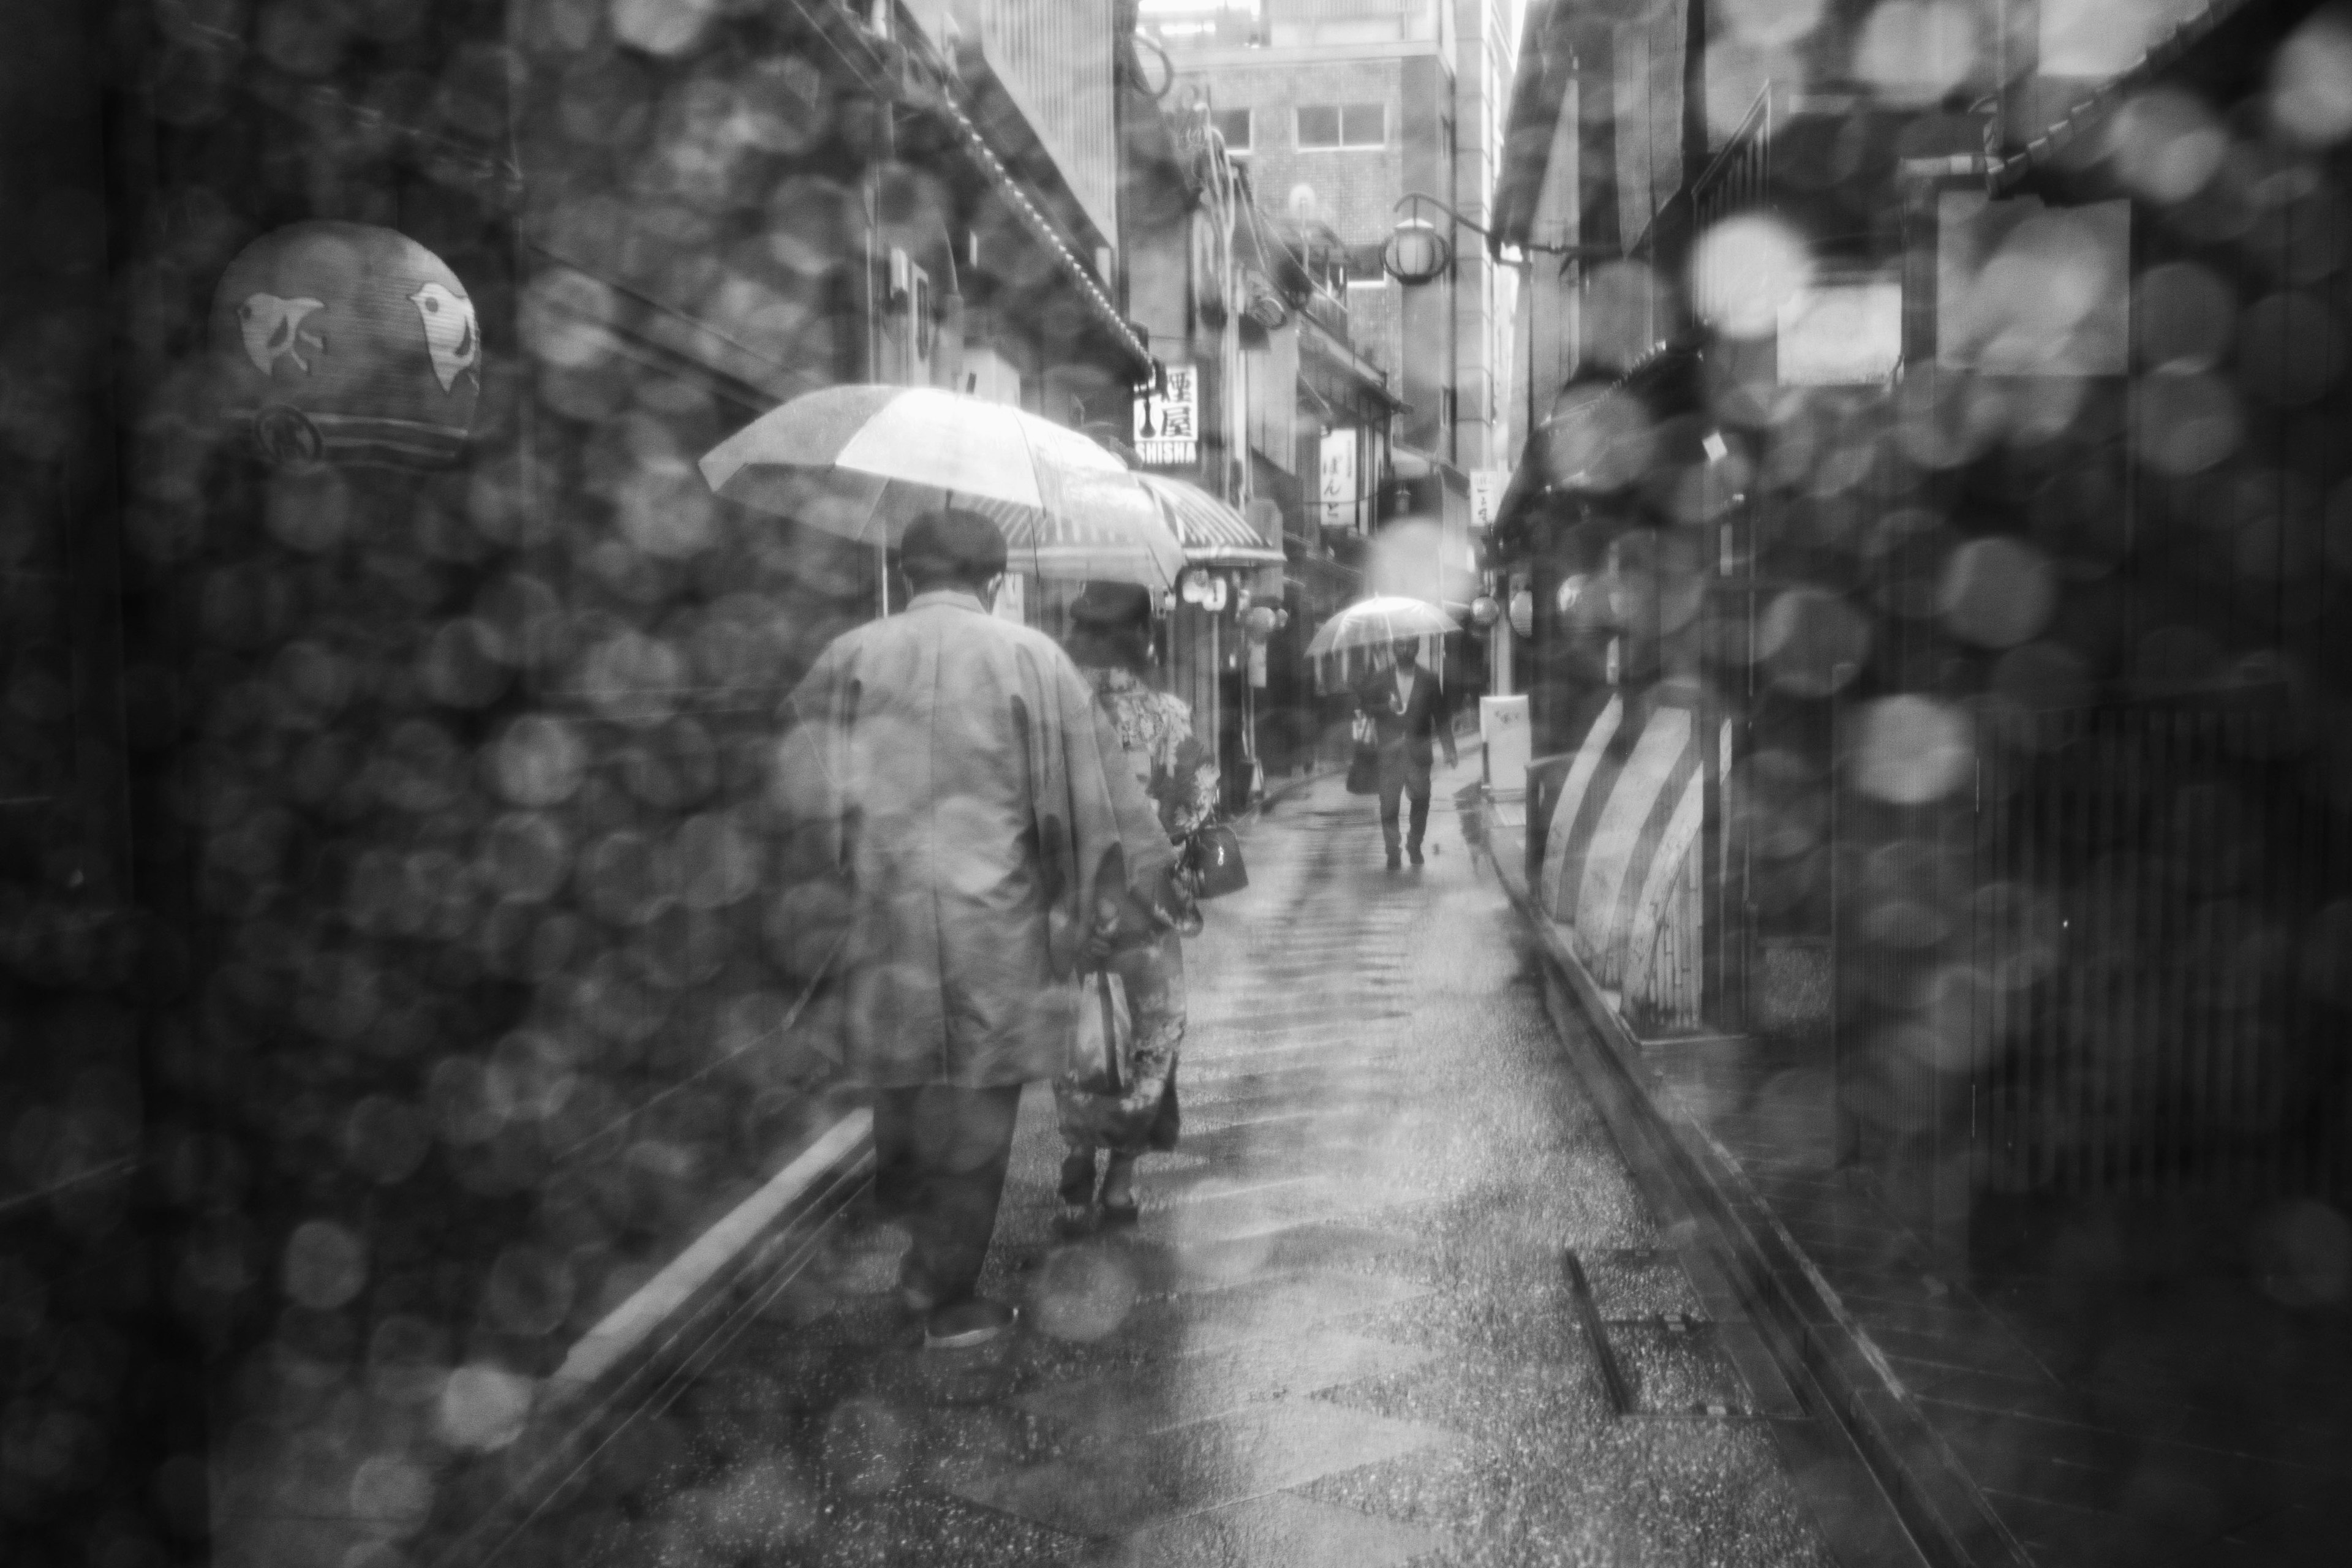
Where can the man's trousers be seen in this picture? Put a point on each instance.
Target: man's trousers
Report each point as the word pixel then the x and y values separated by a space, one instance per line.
pixel 1404 772
pixel 940 1156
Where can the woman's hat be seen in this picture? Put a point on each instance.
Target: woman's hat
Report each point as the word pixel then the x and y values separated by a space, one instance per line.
pixel 1105 605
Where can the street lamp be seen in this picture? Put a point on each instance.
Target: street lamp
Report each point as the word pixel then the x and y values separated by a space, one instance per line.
pixel 1419 252
pixel 1416 252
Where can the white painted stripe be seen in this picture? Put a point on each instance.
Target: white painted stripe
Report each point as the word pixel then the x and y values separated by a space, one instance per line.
pixel 1666 869
pixel 1557 845
pixel 1595 932
pixel 629 1324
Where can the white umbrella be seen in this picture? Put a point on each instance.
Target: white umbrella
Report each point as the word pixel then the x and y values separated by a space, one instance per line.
pixel 862 461
pixel 1370 623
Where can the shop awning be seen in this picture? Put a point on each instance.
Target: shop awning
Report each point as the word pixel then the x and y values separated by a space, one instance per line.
pixel 1212 533
pixel 2070 138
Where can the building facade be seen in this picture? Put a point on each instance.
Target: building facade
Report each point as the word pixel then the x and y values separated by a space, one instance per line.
pixel 1340 108
pixel 422 593
pixel 1918 510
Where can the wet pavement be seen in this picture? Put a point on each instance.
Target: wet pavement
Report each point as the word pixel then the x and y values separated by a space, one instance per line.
pixel 1347 1330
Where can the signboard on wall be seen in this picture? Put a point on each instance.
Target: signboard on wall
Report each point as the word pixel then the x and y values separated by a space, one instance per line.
pixel 1844 334
pixel 1337 491
pixel 1167 423
pixel 1487 488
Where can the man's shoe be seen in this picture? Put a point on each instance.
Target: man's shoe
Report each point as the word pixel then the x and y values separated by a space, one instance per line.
pixel 1393 861
pixel 968 1325
pixel 1416 854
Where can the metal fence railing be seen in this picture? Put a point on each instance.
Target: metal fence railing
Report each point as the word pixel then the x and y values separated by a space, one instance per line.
pixel 1663 984
pixel 2166 1029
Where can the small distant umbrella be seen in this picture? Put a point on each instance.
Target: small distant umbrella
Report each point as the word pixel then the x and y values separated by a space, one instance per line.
pixel 1370 623
pixel 863 461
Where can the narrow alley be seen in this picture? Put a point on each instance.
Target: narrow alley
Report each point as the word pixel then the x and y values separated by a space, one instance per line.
pixel 1348 1330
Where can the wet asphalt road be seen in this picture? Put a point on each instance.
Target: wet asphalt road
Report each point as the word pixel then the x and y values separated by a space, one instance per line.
pixel 1343 1333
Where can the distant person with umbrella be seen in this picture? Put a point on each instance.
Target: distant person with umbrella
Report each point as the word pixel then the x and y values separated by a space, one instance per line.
pixel 1410 713
pixel 968 810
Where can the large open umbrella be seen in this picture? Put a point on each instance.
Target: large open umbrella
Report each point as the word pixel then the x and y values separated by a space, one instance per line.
pixel 862 461
pixel 1384 619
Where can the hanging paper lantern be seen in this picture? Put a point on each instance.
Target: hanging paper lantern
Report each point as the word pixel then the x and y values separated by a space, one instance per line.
pixel 341 343
pixel 1523 612
pixel 1484 612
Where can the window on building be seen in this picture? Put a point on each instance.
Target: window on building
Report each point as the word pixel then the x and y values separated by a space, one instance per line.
pixel 1233 125
pixel 1342 125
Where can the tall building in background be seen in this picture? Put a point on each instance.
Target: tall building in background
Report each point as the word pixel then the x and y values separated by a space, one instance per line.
pixel 1340 108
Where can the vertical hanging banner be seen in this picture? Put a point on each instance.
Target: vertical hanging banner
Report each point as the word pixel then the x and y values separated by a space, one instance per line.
pixel 1487 488
pixel 1337 491
pixel 1167 423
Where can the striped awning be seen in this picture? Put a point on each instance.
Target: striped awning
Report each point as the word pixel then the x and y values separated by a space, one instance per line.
pixel 1106 534
pixel 1212 533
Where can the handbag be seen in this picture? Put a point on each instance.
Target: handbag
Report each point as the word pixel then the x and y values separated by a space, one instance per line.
pixel 1364 761
pixel 1212 856
pixel 1092 1099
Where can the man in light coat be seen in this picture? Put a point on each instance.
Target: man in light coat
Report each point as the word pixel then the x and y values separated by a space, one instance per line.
pixel 958 783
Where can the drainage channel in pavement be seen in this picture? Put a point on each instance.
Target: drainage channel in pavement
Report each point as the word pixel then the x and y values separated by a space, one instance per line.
pixel 1660 1360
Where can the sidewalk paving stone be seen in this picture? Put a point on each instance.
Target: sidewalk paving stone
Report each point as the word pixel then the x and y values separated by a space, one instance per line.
pixel 1340 1337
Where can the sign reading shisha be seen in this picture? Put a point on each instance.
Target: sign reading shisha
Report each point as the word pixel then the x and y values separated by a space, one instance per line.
pixel 1167 421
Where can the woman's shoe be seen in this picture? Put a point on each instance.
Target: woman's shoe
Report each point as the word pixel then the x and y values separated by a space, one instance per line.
pixel 1078 1188
pixel 1076 1222
pixel 1119 1216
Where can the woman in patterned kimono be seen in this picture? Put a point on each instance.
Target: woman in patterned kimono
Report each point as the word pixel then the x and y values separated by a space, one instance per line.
pixel 1123 1101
